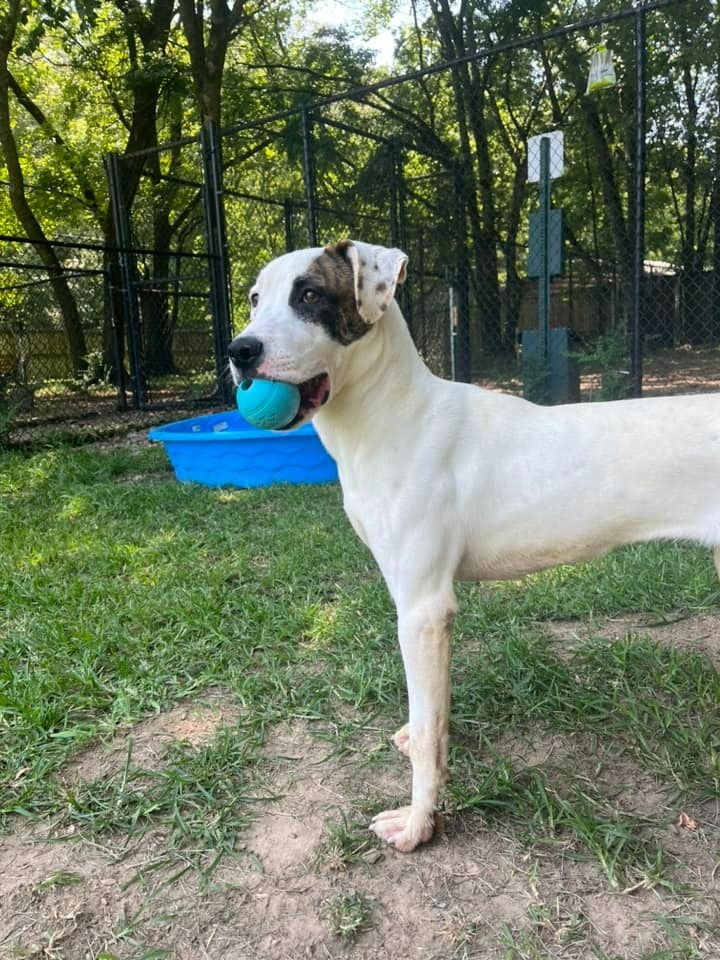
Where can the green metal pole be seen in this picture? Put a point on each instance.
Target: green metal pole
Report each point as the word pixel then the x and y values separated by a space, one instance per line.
pixel 544 280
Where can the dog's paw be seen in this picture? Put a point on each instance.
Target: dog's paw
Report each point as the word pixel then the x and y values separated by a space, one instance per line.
pixel 401 739
pixel 404 828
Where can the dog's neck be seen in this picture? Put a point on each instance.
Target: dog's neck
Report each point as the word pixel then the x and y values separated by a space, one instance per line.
pixel 381 371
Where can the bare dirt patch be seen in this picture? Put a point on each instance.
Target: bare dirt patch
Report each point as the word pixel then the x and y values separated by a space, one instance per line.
pixel 698 633
pixel 146 743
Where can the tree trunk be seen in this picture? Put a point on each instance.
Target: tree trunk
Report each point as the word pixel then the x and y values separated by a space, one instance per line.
pixel 77 350
pixel 208 49
pixel 457 38
pixel 158 317
pixel 153 32
pixel 715 217
pixel 154 300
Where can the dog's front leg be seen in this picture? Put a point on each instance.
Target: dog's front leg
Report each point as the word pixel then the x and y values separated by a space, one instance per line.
pixel 424 630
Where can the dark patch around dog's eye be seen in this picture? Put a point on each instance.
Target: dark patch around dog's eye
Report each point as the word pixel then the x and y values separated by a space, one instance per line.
pixel 331 277
pixel 253 300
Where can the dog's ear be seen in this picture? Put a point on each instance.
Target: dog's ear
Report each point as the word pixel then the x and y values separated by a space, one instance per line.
pixel 377 271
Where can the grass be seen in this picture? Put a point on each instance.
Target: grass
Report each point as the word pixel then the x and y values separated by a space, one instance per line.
pixel 575 815
pixel 123 592
pixel 547 930
pixel 348 843
pixel 659 704
pixel 203 796
pixel 349 914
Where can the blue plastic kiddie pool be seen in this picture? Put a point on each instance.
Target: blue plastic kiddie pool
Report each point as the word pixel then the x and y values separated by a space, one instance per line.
pixel 224 450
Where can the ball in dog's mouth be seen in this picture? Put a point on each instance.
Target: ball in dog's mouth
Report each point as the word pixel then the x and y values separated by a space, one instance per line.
pixel 314 393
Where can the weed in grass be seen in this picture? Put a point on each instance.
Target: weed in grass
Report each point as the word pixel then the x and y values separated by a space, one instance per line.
pixel 552 924
pixel 348 844
pixel 547 932
pixel 521 945
pixel 687 938
pixel 348 915
pixel 460 929
pixel 573 928
pixel 63 878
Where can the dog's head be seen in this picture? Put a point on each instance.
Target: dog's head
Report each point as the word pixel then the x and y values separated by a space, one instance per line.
pixel 307 308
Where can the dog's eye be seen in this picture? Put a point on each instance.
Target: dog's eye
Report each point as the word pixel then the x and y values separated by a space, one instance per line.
pixel 310 296
pixel 253 300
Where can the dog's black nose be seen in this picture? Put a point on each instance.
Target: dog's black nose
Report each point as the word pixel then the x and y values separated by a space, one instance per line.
pixel 245 353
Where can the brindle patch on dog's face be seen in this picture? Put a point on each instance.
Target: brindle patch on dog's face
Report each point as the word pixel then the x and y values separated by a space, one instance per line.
pixel 325 294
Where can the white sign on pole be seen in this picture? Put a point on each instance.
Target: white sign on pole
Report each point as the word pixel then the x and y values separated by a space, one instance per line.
pixel 556 155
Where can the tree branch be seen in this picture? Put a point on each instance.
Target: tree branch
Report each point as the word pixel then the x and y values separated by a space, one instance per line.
pixel 29 105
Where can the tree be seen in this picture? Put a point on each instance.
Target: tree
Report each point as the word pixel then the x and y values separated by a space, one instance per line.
pixel 17 11
pixel 208 32
pixel 683 142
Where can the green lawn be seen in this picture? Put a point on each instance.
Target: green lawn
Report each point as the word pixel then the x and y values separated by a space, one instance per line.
pixel 123 592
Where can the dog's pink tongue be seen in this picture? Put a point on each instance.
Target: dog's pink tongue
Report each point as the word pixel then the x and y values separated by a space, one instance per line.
pixel 316 392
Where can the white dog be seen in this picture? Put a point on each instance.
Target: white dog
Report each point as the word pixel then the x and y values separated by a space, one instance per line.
pixel 445 481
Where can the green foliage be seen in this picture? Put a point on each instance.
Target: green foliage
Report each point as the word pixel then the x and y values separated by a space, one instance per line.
pixel 77 64
pixel 608 355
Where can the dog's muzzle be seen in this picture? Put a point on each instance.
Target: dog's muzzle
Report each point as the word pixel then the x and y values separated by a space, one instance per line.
pixel 245 354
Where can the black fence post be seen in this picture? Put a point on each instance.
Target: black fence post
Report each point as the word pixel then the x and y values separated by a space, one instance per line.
pixel 398 230
pixel 217 250
pixel 309 177
pixel 128 272
pixel 396 195
pixel 115 337
pixel 461 340
pixel 288 223
pixel 636 358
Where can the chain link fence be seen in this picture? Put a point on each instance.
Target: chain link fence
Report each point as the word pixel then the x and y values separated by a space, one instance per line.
pixel 617 286
pixel 65 367
pixel 51 338
pixel 164 302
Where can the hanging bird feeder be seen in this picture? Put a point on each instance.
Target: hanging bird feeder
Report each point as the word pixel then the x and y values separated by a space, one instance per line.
pixel 602 70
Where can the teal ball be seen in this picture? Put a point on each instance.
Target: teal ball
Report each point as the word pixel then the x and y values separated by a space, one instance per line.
pixel 268 404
